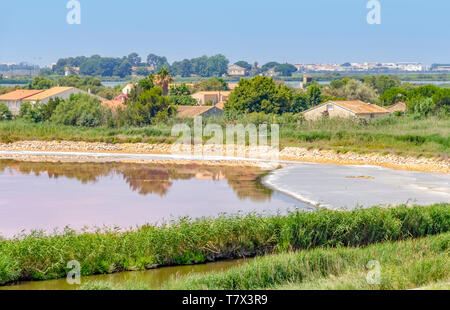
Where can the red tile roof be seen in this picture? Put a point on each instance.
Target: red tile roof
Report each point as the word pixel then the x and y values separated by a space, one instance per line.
pixel 359 107
pixel 19 94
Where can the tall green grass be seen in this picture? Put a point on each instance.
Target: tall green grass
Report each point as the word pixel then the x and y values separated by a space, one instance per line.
pixel 19 130
pixel 399 135
pixel 40 257
pixel 402 265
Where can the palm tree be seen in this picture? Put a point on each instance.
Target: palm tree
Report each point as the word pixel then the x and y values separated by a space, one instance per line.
pixel 163 79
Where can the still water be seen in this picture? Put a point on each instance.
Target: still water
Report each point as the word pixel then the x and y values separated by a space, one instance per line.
pixel 345 187
pixel 152 279
pixel 48 196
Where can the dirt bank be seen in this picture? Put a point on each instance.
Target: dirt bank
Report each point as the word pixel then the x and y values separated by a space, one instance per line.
pixel 290 153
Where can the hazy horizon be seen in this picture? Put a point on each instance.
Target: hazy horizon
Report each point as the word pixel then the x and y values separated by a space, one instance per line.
pixel 320 31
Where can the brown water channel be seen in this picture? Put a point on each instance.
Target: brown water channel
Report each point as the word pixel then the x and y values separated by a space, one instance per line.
pixel 152 279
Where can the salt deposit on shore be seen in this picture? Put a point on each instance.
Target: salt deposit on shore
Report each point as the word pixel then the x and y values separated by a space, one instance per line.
pixel 290 154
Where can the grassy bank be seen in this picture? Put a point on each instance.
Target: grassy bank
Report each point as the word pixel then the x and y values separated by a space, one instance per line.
pixel 391 135
pixel 415 263
pixel 39 257
pixel 403 265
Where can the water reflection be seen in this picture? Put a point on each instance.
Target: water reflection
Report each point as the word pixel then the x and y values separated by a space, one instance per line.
pixel 147 179
pixel 47 195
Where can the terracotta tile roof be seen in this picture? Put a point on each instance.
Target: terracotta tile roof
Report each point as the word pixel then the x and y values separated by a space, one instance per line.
pixel 19 94
pixel 220 105
pixel 49 93
pixel 192 111
pixel 213 92
pixel 114 104
pixel 399 106
pixel 359 107
pixel 232 86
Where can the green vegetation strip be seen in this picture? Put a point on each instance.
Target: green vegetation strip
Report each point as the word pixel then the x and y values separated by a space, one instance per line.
pixel 406 264
pixel 406 136
pixel 402 265
pixel 39 257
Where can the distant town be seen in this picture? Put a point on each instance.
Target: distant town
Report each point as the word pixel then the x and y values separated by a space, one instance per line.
pixel 127 67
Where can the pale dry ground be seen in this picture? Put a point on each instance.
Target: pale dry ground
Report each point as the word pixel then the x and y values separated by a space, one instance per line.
pixel 289 153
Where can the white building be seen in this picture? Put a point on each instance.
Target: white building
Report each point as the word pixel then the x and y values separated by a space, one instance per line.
pixel 52 93
pixel 13 100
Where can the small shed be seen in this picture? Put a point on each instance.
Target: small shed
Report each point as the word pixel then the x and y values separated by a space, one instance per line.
pixel 397 107
pixel 345 109
pixel 193 111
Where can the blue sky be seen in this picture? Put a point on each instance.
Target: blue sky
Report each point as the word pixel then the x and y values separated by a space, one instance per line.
pixel 295 31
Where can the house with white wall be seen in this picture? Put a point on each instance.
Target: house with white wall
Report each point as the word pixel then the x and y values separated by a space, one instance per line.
pixel 13 100
pixel 345 109
pixel 52 93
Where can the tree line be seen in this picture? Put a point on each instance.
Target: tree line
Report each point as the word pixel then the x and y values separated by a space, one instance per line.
pixel 152 100
pixel 204 66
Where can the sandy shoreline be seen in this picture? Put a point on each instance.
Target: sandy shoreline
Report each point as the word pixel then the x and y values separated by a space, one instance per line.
pixel 289 154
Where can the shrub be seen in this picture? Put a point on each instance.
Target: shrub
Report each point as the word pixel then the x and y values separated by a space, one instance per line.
pixel 393 95
pixel 421 106
pixel 49 108
pixel 9 270
pixel 182 100
pixel 260 94
pixel 148 104
pixel 5 113
pixel 31 113
pixel 202 240
pixel 80 110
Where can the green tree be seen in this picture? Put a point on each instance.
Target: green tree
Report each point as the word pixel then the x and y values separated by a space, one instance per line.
pixel 143 71
pixel 5 113
pixel 148 105
pixel 31 113
pixel 40 83
pixel 214 66
pixel 157 62
pixel 300 103
pixel 426 91
pixel 259 94
pixel 80 110
pixel 124 69
pixel 182 100
pixel 441 101
pixel 147 83
pixel 355 90
pixel 269 65
pixel 336 84
pixel 180 95
pixel 179 90
pixel 163 79
pixel 134 59
pixel 393 95
pixel 285 69
pixel 314 94
pixel 210 85
pixel 244 65
pixel 381 83
pixel 420 105
pixel 49 108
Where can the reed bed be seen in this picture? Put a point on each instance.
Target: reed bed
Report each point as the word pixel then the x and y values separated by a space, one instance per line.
pixel 186 241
